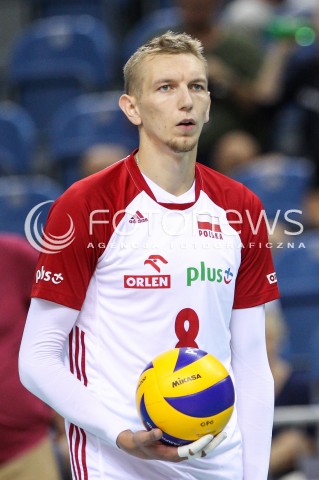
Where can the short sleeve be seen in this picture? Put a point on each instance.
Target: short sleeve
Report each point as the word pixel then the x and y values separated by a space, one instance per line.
pixel 256 280
pixel 64 271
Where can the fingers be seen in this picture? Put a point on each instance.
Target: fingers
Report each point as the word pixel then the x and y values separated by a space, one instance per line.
pixel 200 448
pixel 143 437
pixel 193 450
pixel 155 434
pixel 215 442
pixel 145 444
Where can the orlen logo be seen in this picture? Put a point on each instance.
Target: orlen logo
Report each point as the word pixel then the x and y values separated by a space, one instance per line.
pixel 210 274
pixel 272 277
pixel 149 281
pixel 48 276
pixel 46 243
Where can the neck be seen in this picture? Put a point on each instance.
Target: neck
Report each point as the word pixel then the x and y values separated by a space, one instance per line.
pixel 174 172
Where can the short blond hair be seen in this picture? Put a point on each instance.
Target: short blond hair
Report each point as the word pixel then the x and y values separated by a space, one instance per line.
pixel 168 43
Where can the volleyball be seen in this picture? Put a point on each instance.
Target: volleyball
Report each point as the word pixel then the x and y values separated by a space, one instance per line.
pixel 187 393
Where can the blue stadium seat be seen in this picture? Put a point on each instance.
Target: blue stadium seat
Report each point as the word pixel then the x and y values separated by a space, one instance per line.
pixel 110 12
pixel 86 121
pixel 58 58
pixel 298 277
pixel 70 7
pixel 19 194
pixel 18 138
pixel 280 182
pixel 159 20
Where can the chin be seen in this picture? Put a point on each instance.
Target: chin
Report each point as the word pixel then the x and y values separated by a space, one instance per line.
pixel 184 146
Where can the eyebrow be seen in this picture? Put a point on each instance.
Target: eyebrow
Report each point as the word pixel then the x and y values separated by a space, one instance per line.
pixel 171 80
pixel 200 80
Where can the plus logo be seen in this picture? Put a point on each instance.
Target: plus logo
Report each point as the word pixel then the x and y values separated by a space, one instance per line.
pixel 228 276
pixel 48 276
pixel 208 274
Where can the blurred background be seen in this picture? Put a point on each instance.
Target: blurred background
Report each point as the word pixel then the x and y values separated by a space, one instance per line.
pixel 60 79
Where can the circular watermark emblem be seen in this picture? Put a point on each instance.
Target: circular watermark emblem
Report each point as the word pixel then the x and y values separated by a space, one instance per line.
pixel 45 242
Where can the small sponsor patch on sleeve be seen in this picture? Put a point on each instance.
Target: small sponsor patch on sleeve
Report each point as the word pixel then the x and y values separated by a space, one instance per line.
pixel 272 277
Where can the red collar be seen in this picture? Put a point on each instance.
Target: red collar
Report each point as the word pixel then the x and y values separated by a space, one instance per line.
pixel 142 184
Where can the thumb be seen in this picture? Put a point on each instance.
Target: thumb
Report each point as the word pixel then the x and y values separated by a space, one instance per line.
pixel 143 437
pixel 155 434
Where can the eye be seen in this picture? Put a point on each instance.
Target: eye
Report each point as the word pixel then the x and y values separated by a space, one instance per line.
pixel 164 88
pixel 198 87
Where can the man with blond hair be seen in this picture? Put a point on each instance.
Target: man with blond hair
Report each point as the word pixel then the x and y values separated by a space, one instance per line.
pixel 94 322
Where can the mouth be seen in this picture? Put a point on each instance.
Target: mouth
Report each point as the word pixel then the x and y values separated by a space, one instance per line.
pixel 187 122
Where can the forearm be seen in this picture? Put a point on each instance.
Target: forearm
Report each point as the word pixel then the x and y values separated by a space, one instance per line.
pixel 230 83
pixel 255 417
pixel 42 371
pixel 287 447
pixel 254 390
pixel 268 84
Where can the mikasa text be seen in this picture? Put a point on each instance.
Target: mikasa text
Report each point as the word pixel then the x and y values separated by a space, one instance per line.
pixel 181 381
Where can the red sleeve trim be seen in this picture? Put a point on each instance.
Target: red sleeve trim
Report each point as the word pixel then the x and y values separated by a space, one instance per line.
pixel 255 300
pixel 52 296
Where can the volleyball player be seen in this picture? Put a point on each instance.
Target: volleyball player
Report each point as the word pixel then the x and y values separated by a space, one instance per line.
pixel 166 252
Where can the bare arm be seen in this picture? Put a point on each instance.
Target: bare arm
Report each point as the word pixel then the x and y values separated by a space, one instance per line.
pixel 267 87
pixel 287 447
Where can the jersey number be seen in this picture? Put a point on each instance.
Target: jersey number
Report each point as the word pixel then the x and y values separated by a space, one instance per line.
pixel 186 328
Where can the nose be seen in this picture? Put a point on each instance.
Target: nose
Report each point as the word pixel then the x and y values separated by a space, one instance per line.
pixel 185 100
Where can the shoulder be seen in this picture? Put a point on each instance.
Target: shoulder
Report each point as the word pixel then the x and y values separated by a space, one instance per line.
pixel 111 186
pixel 226 192
pixel 102 181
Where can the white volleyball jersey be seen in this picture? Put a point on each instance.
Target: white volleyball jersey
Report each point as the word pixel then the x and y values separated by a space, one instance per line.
pixel 147 277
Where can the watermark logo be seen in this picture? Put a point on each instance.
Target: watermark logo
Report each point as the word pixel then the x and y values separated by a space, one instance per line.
pixel 46 242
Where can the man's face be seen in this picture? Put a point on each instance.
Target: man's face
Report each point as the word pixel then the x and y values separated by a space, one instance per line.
pixel 174 101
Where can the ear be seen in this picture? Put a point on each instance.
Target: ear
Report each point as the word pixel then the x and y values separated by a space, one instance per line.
pixel 208 108
pixel 128 105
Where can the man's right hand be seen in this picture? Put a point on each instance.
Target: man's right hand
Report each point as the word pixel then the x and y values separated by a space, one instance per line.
pixel 147 445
